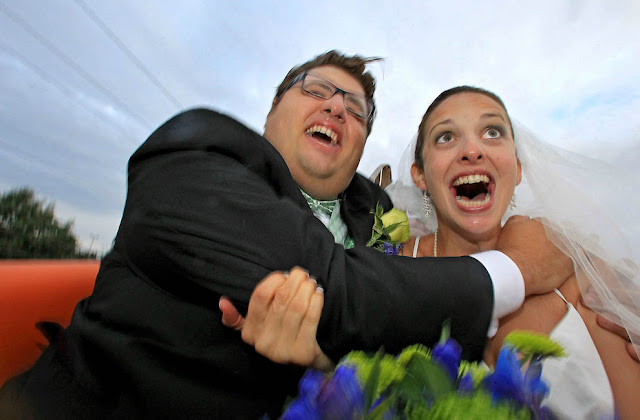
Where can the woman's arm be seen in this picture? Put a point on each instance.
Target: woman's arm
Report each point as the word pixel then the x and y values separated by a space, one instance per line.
pixel 623 371
pixel 542 313
pixel 539 313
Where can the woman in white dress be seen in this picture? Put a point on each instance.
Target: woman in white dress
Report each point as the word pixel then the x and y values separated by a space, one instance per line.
pixel 465 168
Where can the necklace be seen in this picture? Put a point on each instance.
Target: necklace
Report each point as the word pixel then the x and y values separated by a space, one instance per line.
pixel 435 243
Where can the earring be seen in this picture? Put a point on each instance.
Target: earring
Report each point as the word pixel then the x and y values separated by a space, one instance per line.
pixel 512 203
pixel 426 203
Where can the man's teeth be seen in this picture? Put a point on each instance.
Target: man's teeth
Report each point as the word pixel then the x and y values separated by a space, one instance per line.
pixel 471 179
pixel 323 130
pixel 465 202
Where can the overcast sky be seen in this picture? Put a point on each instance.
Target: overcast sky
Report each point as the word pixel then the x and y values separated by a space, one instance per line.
pixel 84 82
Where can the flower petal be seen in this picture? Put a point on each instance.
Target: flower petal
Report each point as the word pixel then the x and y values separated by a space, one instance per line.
pixel 448 356
pixel 506 382
pixel 341 397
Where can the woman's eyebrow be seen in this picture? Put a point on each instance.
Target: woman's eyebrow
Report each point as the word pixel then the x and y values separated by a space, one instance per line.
pixel 447 121
pixel 491 115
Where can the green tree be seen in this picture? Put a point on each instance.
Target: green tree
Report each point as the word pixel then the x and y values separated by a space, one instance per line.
pixel 29 229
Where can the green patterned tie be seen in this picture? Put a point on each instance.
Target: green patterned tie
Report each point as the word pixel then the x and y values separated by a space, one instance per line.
pixel 331 209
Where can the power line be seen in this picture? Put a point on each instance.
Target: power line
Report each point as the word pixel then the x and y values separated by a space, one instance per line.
pixel 96 84
pixel 65 90
pixel 128 52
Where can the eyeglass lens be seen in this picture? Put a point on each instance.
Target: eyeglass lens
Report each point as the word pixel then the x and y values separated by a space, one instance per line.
pixel 323 89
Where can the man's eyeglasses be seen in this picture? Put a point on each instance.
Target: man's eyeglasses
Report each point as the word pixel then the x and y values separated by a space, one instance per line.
pixel 320 88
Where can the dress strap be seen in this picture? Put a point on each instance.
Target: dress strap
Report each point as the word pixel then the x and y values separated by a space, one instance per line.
pixel 561 296
pixel 415 247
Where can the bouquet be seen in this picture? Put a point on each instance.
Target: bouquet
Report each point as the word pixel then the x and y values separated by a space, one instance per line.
pixel 430 384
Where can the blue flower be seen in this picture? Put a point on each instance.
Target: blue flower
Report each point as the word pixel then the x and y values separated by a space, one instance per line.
pixel 336 398
pixel 390 249
pixel 465 386
pixel 310 384
pixel 447 354
pixel 305 407
pixel 341 397
pixel 535 389
pixel 301 409
pixel 506 382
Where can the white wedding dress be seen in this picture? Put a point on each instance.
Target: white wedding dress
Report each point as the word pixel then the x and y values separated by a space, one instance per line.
pixel 579 385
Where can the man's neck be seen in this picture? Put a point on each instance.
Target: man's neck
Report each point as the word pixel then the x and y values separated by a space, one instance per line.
pixel 319 193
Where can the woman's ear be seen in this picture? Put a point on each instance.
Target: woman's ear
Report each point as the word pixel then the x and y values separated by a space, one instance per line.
pixel 519 173
pixel 418 177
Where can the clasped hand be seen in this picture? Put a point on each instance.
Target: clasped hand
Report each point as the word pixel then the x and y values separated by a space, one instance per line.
pixel 282 319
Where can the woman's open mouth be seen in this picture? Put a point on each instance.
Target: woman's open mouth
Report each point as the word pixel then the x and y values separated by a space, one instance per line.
pixel 473 192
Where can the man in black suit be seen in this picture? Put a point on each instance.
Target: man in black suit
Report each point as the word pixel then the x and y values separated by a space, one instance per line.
pixel 212 208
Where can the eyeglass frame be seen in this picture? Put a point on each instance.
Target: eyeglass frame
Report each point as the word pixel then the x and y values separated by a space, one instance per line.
pixel 302 76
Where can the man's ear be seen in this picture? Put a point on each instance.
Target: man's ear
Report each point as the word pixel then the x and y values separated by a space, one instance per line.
pixel 418 177
pixel 519 173
pixel 273 105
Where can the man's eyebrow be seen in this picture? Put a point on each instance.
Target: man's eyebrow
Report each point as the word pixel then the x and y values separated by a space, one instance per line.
pixel 447 121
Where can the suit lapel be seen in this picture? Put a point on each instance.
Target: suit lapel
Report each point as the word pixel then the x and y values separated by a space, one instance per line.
pixel 358 206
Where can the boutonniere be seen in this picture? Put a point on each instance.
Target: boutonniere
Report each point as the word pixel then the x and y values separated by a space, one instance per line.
pixel 390 230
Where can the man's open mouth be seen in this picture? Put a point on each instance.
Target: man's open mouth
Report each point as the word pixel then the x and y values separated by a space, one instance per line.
pixel 472 190
pixel 323 134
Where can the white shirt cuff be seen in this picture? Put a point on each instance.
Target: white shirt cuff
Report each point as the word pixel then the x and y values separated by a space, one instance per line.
pixel 508 285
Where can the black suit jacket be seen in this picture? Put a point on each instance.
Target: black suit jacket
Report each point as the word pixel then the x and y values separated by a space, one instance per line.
pixel 212 209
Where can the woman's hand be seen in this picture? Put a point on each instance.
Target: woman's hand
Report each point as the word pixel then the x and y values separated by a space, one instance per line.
pixel 282 320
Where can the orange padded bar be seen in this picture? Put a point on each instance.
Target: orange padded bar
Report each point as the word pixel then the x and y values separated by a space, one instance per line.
pixel 32 291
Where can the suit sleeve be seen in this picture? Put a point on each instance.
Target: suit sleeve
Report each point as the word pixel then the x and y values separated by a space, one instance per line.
pixel 211 209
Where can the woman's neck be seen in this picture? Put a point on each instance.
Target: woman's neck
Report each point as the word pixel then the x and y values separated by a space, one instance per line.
pixel 452 243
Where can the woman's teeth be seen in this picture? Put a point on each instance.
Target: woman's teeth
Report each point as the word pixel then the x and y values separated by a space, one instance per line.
pixel 471 179
pixel 465 202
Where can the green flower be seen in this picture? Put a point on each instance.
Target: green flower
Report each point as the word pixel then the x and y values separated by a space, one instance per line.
pixel 477 372
pixel 473 406
pixel 530 344
pixel 387 371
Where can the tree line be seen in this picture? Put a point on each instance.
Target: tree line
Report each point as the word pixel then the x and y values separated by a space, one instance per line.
pixel 29 229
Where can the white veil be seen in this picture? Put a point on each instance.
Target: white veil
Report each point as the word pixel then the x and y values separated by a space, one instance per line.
pixel 587 208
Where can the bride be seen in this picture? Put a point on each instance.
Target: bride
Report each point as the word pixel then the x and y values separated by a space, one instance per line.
pixel 464 167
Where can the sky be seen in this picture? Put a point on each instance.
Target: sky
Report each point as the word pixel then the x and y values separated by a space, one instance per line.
pixel 84 82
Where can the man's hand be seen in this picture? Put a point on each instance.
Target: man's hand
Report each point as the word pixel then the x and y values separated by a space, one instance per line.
pixel 543 266
pixel 282 320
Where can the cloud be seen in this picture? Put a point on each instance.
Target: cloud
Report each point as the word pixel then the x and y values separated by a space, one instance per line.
pixel 83 87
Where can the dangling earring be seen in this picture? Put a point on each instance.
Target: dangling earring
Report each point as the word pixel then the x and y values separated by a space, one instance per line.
pixel 512 203
pixel 426 203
